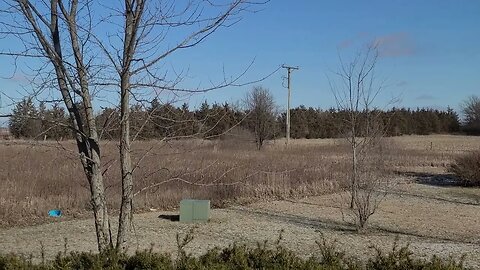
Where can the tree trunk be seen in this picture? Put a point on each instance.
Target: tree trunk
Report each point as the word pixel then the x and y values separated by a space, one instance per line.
pixel 98 198
pixel 354 173
pixel 125 217
pixel 89 145
pixel 89 151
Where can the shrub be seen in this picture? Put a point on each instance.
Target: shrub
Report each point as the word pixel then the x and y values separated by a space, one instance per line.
pixel 238 257
pixel 149 260
pixel 332 258
pixel 400 258
pixel 11 261
pixel 467 169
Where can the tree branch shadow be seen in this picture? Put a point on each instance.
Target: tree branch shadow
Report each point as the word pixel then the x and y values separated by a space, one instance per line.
pixel 344 227
pixel 302 221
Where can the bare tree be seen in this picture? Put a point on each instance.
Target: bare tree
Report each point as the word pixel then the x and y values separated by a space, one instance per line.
pixel 144 24
pixel 86 58
pixel 40 33
pixel 260 104
pixel 355 88
pixel 471 114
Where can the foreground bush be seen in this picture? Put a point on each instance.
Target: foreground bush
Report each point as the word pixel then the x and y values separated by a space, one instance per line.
pixel 467 169
pixel 236 257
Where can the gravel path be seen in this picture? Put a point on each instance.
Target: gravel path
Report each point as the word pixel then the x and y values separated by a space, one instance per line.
pixel 430 225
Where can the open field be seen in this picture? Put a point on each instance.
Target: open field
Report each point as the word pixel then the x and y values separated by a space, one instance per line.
pixel 36 177
pixel 260 193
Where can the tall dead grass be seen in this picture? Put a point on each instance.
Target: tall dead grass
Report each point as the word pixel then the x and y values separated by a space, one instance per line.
pixel 37 177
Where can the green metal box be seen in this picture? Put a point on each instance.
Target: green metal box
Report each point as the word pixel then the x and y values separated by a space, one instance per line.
pixel 192 211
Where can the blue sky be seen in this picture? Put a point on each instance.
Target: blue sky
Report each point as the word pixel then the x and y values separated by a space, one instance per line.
pixel 430 50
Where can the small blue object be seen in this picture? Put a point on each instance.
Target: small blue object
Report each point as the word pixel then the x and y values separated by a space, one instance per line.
pixel 55 213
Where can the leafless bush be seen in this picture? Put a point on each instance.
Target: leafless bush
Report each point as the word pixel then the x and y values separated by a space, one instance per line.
pixel 372 183
pixel 373 186
pixel 467 169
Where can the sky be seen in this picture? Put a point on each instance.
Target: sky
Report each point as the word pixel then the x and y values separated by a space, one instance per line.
pixel 429 55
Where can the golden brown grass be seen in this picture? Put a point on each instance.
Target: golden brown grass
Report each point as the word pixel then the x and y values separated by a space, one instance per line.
pixel 38 176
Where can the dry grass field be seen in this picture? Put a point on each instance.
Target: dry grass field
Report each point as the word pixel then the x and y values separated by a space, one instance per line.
pixel 38 176
pixel 296 189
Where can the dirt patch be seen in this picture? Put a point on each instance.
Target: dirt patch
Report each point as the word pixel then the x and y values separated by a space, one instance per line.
pixel 413 214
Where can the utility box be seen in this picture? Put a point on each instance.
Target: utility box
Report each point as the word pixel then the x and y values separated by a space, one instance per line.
pixel 193 211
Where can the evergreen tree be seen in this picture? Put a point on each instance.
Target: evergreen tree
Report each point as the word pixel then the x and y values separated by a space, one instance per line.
pixel 25 122
pixel 55 123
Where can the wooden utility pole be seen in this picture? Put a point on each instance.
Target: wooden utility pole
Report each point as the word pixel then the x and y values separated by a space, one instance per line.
pixel 289 70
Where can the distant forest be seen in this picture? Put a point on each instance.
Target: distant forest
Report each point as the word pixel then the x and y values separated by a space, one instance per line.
pixel 215 120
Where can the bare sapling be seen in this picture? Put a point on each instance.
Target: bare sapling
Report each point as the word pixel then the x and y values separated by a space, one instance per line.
pixel 355 88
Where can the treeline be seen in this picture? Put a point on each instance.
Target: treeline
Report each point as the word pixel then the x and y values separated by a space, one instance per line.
pixel 317 123
pixel 211 121
pixel 30 121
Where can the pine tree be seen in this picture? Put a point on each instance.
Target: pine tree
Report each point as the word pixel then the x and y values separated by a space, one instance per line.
pixel 25 122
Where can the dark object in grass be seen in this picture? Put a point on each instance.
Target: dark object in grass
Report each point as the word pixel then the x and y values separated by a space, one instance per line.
pixel 170 217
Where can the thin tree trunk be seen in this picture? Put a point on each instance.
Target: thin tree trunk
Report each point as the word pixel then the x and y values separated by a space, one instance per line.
pixel 125 217
pixel 354 173
pixel 132 18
